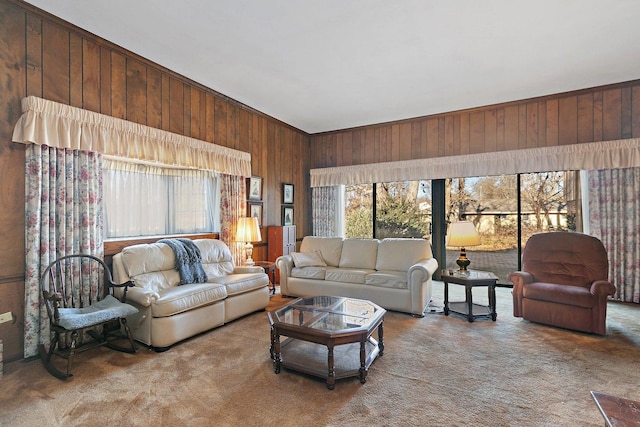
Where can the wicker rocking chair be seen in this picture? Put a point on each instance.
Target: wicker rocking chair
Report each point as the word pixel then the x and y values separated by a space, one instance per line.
pixel 72 287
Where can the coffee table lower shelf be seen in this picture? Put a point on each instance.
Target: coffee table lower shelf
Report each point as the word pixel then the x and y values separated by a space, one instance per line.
pixel 312 359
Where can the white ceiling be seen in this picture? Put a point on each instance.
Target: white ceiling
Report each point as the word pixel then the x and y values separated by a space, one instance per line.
pixel 323 65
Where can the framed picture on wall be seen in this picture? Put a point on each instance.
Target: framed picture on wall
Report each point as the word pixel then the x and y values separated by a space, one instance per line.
pixel 255 210
pixel 254 188
pixel 287 215
pixel 287 193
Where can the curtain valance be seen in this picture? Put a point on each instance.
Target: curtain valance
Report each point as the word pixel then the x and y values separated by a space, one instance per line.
pixel 58 125
pixel 622 153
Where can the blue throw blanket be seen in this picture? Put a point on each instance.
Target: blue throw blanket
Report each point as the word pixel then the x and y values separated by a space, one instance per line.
pixel 188 260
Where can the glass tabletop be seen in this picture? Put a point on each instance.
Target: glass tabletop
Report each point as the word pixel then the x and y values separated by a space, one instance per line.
pixel 328 313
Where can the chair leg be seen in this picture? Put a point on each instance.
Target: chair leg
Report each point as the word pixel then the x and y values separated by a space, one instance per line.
pixel 132 347
pixel 47 356
pixel 72 351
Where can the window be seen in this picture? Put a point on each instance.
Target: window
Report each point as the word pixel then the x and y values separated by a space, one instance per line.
pixel 141 200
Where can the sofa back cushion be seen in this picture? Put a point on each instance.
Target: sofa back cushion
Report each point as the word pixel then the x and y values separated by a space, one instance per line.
pixel 151 265
pixel 359 253
pixel 400 254
pixel 329 247
pixel 217 260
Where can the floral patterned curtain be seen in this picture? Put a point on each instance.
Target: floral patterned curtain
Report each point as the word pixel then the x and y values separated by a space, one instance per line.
pixel 232 207
pixel 325 211
pixel 63 192
pixel 614 217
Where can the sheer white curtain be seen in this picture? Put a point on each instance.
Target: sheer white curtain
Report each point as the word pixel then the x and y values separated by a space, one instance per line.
pixel 142 200
pixel 328 211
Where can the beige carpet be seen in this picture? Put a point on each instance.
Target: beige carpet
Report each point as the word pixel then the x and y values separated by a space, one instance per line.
pixel 435 371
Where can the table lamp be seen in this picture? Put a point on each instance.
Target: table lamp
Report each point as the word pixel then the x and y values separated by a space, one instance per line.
pixel 463 233
pixel 248 231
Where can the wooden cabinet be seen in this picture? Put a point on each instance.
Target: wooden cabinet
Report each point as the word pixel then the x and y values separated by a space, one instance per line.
pixel 282 241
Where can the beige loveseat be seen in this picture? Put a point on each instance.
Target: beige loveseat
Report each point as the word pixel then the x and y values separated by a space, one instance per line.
pixel 169 312
pixel 393 273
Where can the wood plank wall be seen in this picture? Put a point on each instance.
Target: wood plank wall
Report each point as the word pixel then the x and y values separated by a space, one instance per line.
pixel 597 114
pixel 44 56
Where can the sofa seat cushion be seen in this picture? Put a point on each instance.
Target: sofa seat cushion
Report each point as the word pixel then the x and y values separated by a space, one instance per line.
pixel 387 279
pixel 187 297
pixel 561 294
pixel 347 275
pixel 317 273
pixel 240 283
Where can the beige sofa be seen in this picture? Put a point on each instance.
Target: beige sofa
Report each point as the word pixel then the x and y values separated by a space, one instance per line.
pixel 393 273
pixel 169 313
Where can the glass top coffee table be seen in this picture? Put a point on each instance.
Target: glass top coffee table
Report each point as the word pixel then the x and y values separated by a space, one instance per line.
pixel 327 337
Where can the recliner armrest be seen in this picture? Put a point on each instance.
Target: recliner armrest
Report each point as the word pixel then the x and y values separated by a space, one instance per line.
pixel 602 287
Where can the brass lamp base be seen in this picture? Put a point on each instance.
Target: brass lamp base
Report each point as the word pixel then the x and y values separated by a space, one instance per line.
pixel 463 262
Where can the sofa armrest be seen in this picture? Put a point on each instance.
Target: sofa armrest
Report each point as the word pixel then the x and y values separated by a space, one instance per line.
pixel 429 266
pixel 142 296
pixel 284 264
pixel 247 269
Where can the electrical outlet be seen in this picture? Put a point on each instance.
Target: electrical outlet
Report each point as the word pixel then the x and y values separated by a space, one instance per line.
pixel 6 317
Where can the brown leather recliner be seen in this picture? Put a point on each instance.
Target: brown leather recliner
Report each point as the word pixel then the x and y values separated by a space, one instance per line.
pixel 563 282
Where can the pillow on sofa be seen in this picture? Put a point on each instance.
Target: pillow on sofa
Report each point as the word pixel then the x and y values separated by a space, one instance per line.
pixel 308 259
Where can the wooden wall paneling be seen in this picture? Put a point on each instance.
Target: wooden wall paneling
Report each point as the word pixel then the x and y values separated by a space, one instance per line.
pixel 118 85
pixel 245 129
pixel 464 133
pixel 441 131
pixel 424 145
pixel 209 119
pixel 220 120
pixel 136 92
pixel 542 124
pixel 500 129
pixel 165 111
pixel 532 125
pixel 522 126
pixel 416 139
pixel 233 135
pixel 195 114
pixel 90 76
pixel 33 51
pixel 105 81
pixel 598 130
pixel 75 70
pixel 476 132
pixel 386 145
pixel 347 149
pixel 357 146
pixel 635 109
pixel 490 130
pixel 585 117
pixel 405 141
pixel 433 137
pixel 55 63
pixel 186 111
pixel 17 67
pixel 176 106
pixel 154 98
pixel 568 120
pixel 626 112
pixel 511 128
pixel 457 123
pixel 370 143
pixel 611 114
pixel 12 332
pixel 552 117
pixel 395 143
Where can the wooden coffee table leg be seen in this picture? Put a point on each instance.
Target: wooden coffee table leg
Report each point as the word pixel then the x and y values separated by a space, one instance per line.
pixel 363 360
pixel 331 377
pixel 275 344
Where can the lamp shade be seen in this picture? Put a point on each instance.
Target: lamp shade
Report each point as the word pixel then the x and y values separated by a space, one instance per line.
pixel 248 230
pixel 463 233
